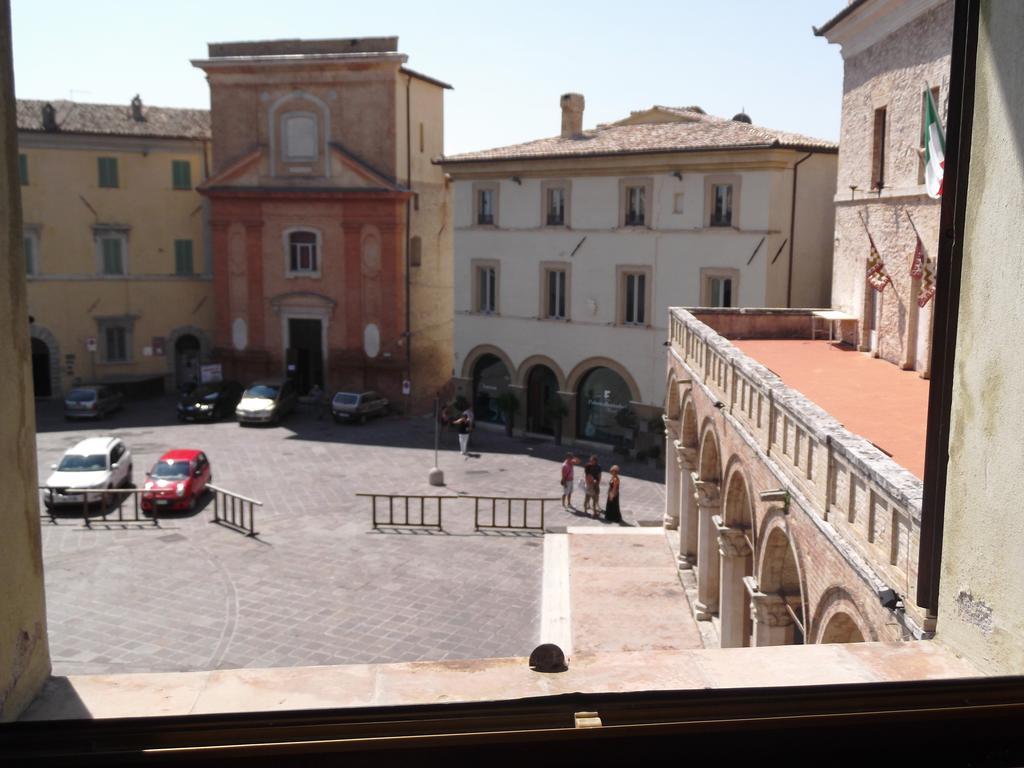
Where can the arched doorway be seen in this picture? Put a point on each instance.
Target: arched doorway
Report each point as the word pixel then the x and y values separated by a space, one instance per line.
pixel 603 412
pixel 491 378
pixel 41 384
pixel 541 388
pixel 186 359
pixel 841 628
pixel 782 594
pixel 736 547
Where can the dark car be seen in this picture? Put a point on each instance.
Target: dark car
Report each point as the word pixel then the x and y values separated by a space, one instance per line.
pixel 267 402
pixel 358 406
pixel 210 401
pixel 91 402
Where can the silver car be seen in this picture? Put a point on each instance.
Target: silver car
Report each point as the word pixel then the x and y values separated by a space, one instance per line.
pixel 358 406
pixel 91 402
pixel 96 462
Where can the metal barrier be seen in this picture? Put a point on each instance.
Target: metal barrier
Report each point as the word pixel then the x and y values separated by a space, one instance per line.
pixel 496 503
pixel 102 497
pixel 407 517
pixel 229 510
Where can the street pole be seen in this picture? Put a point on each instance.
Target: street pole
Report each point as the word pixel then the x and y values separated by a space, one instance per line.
pixel 436 476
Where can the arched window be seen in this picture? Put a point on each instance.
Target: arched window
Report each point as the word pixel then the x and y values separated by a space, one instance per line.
pixel 303 246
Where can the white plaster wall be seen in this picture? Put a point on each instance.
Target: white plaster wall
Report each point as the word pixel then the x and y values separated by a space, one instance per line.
pixel 981 608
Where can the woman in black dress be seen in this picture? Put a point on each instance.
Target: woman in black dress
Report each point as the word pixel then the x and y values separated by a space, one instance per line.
pixel 611 507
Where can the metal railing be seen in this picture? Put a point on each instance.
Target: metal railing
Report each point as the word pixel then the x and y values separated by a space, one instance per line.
pixel 503 518
pixel 103 497
pixel 229 510
pixel 406 514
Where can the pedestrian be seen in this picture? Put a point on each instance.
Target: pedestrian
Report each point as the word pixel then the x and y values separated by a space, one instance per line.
pixel 464 424
pixel 611 507
pixel 567 473
pixel 592 475
pixel 319 399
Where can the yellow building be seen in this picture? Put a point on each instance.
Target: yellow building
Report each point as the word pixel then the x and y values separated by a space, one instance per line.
pixel 119 283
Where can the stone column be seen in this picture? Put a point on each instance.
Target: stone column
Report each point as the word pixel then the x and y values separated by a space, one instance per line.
pixel 672 485
pixel 685 465
pixel 708 503
pixel 734 550
pixel 772 623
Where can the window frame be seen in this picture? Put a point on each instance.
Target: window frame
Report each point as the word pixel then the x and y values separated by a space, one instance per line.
pixel 546 188
pixel 287 156
pixel 112 177
pixel 622 274
pixel 317 255
pixel 548 268
pixel 179 169
pixel 707 274
pixel 124 323
pixel 879 140
pixel 478 265
pixel 102 233
pixel 712 181
pixel 178 246
pixel 646 185
pixel 30 234
pixel 486 186
pixel 22 169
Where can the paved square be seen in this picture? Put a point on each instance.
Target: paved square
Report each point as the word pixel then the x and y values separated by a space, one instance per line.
pixel 318 586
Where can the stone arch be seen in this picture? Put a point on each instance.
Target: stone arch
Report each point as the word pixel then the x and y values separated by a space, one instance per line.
pixel 688 434
pixel 586 366
pixel 737 506
pixel 205 346
pixel 736 547
pixel 44 335
pixel 672 403
pixel 523 371
pixel 838 619
pixel 780 572
pixel 709 462
pixel 474 355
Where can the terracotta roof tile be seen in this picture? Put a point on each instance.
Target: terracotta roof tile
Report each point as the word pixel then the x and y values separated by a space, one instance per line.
pixel 116 119
pixel 694 131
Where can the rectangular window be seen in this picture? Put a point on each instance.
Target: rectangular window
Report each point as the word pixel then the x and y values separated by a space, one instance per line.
pixel 635 206
pixel 183 257
pixel 421 137
pixel 115 344
pixel 181 174
pixel 487 290
pixel 556 207
pixel 485 207
pixel 31 242
pixel 416 251
pixel 720 289
pixel 23 169
pixel 302 252
pixel 721 205
pixel 112 254
pixel 108 172
pixel 635 312
pixel 556 280
pixel 878 150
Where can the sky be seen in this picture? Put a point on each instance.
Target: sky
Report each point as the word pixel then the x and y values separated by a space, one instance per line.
pixel 508 68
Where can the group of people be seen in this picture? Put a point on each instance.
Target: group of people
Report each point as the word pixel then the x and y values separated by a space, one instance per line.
pixel 591 485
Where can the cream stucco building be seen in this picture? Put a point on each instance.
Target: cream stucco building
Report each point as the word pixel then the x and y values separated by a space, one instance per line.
pixel 119 285
pixel 569 250
pixel 893 51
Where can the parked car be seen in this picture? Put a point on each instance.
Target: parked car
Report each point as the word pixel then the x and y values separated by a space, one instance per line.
pixel 96 462
pixel 177 480
pixel 210 401
pixel 358 406
pixel 267 402
pixel 91 402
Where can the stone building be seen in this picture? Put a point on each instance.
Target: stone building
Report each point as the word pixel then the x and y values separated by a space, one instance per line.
pixel 119 284
pixel 330 236
pixel 893 52
pixel 568 251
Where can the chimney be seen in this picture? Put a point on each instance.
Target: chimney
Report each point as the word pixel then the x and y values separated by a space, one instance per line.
pixel 137 115
pixel 572 115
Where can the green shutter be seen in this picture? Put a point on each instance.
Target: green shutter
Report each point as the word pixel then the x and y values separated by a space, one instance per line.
pixel 183 257
pixel 112 261
pixel 108 171
pixel 23 169
pixel 181 174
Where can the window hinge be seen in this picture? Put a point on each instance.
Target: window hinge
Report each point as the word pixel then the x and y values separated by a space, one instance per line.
pixel 588 720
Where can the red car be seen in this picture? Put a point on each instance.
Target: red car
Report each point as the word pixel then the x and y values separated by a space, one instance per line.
pixel 176 481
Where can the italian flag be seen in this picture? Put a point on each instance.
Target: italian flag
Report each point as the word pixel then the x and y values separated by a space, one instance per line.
pixel 934 147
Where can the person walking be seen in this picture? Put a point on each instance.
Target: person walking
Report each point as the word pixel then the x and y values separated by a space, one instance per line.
pixel 319 400
pixel 464 424
pixel 611 507
pixel 592 475
pixel 567 473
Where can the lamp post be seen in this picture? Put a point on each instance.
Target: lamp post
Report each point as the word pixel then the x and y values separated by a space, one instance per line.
pixel 436 476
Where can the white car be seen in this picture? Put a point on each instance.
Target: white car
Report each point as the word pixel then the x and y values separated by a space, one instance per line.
pixel 96 462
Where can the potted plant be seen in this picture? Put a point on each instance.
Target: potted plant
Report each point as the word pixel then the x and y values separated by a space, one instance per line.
pixel 555 411
pixel 508 404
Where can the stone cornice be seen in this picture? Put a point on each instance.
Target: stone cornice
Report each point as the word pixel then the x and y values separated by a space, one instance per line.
pixel 871 22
